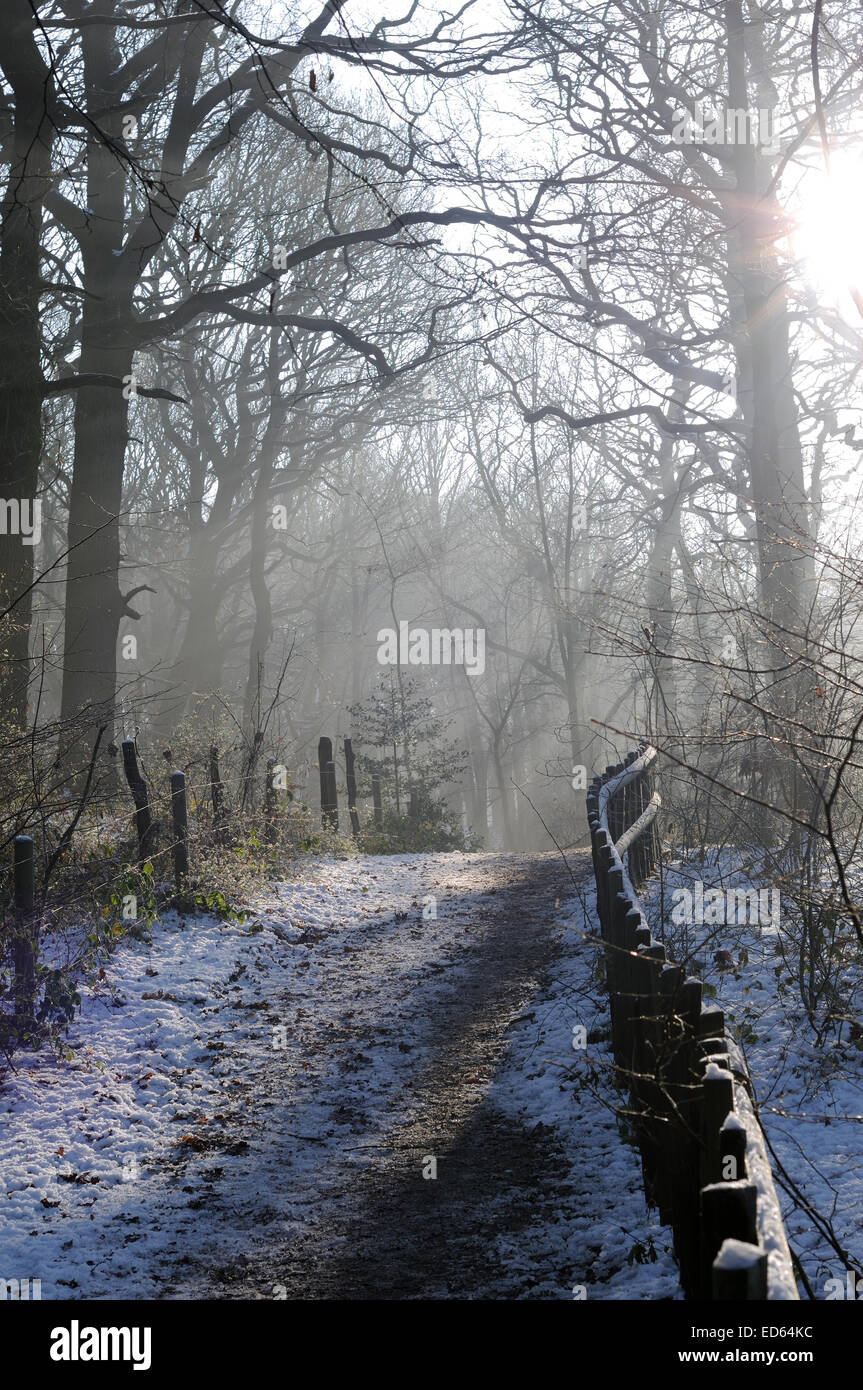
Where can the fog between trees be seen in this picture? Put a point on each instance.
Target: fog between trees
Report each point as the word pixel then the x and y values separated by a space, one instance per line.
pixel 498 322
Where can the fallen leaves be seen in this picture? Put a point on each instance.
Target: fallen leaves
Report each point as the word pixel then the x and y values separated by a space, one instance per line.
pixel 193 1141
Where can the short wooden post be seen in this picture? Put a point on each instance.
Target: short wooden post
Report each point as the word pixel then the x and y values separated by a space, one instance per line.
pixel 25 874
pixel 613 879
pixel 728 1211
pixel 667 1136
pixel 718 1102
pixel 270 803
pixel 627 983
pixel 732 1149
pixel 181 830
pixel 685 1194
pixel 711 1023
pixel 24 945
pixel 327 770
pixel 614 974
pixel 376 800
pixel 676 1139
pixel 332 796
pixel 719 1217
pixel 740 1273
pixel 351 779
pixel 653 957
pixel 605 860
pixel 144 824
pixel 714 1049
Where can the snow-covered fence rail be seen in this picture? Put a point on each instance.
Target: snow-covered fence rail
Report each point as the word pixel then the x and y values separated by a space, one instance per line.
pixel 703 1154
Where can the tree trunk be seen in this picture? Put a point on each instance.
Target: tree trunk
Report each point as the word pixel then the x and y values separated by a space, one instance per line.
pixel 479 790
pixel 775 456
pixel 94 604
pixel 662 691
pixel 503 792
pixel 262 633
pixel 20 338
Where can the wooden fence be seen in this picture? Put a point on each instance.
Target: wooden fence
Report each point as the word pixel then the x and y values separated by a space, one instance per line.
pixel 703 1154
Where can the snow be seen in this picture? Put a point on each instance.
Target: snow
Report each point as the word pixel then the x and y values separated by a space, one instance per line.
pixel 769 1214
pixel 613 1220
pixel 737 1254
pixel 225 1078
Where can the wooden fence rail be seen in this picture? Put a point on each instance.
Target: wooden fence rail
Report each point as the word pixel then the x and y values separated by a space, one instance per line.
pixel 703 1155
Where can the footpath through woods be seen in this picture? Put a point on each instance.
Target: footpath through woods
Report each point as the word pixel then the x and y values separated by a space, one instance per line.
pixel 370 1094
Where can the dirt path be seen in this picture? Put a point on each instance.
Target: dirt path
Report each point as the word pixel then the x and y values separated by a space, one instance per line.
pixel 254 1110
pixel 389 1232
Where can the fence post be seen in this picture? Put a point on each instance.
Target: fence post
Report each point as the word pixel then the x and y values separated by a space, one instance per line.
pixel 718 1102
pixel 677 1095
pixel 728 1211
pixel 740 1272
pixel 732 1147
pixel 653 958
pixel 351 777
pixel 668 1135
pixel 617 907
pixel 24 941
pixel 180 821
pixel 144 825
pixel 327 769
pixel 270 804
pixel 376 800
pixel 332 795
pixel 620 938
pixel 628 966
pixel 25 874
pixel 685 1196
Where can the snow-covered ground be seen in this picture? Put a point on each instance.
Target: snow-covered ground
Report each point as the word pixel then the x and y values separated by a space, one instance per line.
pixel 810 1096
pixel 629 1253
pixel 228 1082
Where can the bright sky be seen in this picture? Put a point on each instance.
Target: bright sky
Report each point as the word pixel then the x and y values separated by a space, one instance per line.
pixel 828 238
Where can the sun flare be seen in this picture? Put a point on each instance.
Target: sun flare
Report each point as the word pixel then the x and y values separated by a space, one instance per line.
pixel 827 236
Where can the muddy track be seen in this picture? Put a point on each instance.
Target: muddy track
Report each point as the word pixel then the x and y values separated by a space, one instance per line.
pixel 398 1234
